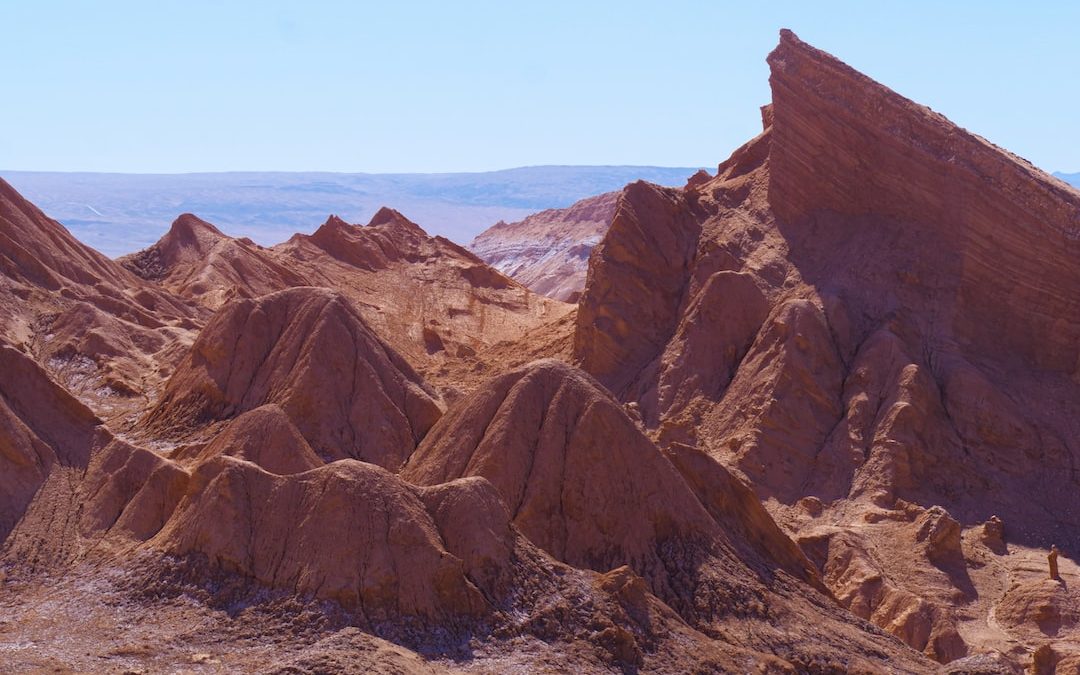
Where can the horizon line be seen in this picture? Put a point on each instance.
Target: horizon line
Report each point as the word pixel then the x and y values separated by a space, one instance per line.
pixel 354 173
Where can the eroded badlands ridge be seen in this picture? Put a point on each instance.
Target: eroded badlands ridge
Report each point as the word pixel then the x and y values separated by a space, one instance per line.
pixel 871 315
pixel 815 413
pixel 549 251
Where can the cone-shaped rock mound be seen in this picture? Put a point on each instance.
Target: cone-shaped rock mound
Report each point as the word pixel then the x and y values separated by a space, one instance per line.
pixel 581 481
pixel 308 351
pixel 264 436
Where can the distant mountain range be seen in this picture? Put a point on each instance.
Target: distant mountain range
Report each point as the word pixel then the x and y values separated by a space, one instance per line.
pixel 1071 178
pixel 121 213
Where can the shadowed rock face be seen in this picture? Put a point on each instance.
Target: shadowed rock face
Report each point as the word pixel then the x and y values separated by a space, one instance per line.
pixel 985 210
pixel 41 426
pixel 308 351
pixel 581 481
pixel 637 277
pixel 870 314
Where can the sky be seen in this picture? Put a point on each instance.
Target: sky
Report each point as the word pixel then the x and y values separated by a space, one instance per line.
pixel 418 86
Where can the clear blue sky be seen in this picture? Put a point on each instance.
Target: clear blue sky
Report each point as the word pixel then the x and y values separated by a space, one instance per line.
pixel 162 86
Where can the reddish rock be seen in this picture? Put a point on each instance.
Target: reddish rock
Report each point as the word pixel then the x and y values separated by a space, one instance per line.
pixel 439 305
pixel 348 531
pixel 264 436
pixel 862 332
pixel 907 332
pixel 308 351
pixel 197 261
pixel 636 284
pixel 549 251
pixel 37 250
pixel 580 480
pixel 41 426
pixel 99 330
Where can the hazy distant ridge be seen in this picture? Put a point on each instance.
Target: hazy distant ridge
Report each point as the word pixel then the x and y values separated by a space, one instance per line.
pixel 122 213
pixel 1071 178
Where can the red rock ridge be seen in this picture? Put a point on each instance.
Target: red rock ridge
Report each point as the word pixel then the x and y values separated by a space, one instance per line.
pixel 197 261
pixel 41 426
pixel 844 144
pixel 439 304
pixel 868 313
pixel 549 251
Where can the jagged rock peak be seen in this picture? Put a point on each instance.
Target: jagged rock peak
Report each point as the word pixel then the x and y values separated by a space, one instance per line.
pixel 334 222
pixel 188 224
pixel 385 215
pixel 806 80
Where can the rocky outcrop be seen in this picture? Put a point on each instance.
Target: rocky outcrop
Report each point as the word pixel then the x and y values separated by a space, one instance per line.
pixel 41 426
pixel 549 251
pixel 197 261
pixel 437 303
pixel 866 313
pixel 264 436
pixel 97 329
pixel 540 434
pixel 582 482
pixel 308 351
pixel 349 532
pixel 637 281
pixel 846 146
pixel 860 335
pixel 37 250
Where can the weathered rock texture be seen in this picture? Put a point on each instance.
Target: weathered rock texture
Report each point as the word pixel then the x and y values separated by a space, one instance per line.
pixel 549 251
pixel 308 351
pixel 582 482
pixel 869 314
pixel 823 418
pixel 438 303
pixel 41 426
pixel 197 261
pixel 99 330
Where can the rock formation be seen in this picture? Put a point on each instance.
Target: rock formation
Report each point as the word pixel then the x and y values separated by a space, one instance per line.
pixel 438 303
pixel 308 351
pixel 814 413
pixel 41 426
pixel 197 261
pixel 854 315
pixel 549 251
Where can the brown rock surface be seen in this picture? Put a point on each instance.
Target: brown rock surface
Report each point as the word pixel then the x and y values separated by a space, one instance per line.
pixel 582 482
pixel 438 303
pixel 41 426
pixel 37 250
pixel 94 326
pixel 264 436
pixel 197 261
pixel 349 532
pixel 549 251
pixel 898 326
pixel 309 351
